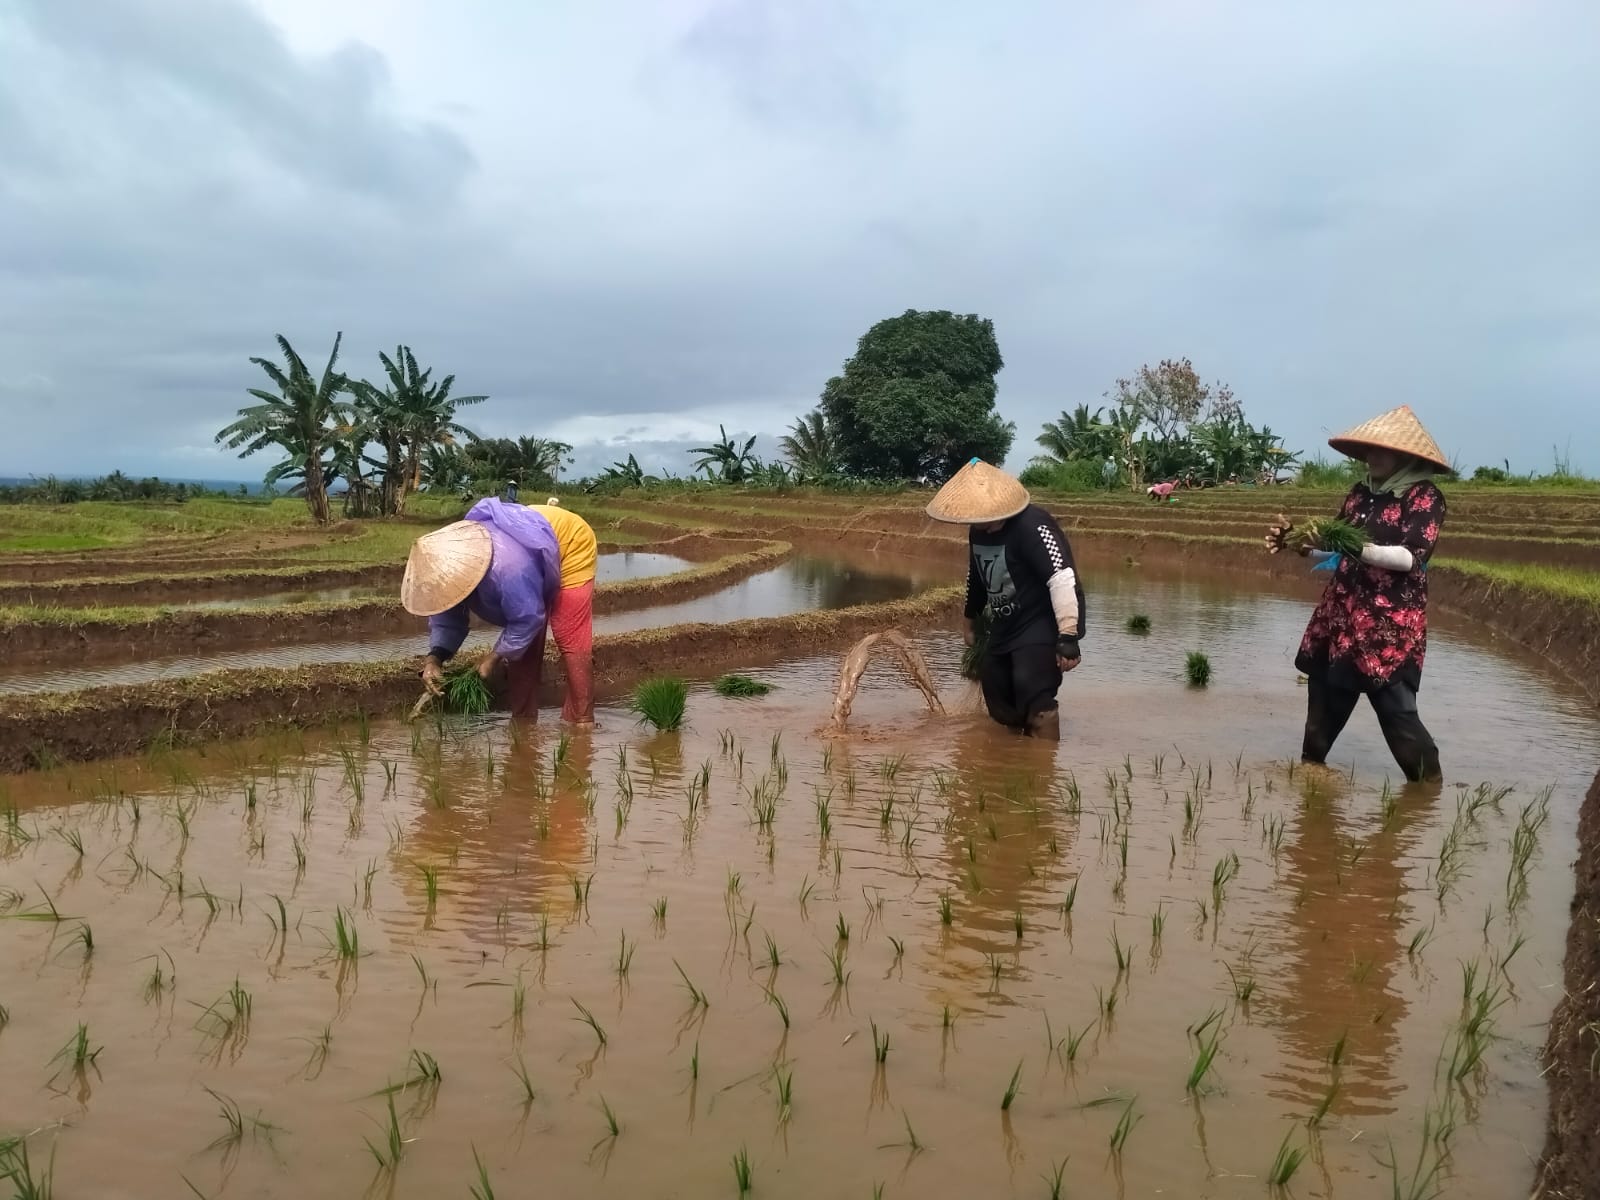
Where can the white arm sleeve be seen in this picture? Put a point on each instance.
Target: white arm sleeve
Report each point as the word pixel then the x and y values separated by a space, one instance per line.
pixel 1390 558
pixel 1063 587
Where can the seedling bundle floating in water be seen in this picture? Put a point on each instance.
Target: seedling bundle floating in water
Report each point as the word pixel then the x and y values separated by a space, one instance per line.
pixel 739 686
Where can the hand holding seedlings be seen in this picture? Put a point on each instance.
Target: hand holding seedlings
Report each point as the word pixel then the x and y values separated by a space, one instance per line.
pixel 1278 532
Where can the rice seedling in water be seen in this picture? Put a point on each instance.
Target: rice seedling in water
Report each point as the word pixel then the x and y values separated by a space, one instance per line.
pixel 1207 1043
pixel 836 961
pixel 1011 1089
pixel 520 1070
pixel 1074 1041
pixel 880 1043
pixel 430 883
pixel 1197 669
pixel 741 1171
pixel 625 951
pixel 1124 956
pixel 1286 1162
pixel 1325 1104
pixel 824 816
pixel 346 941
pixel 78 1053
pixel 483 1189
pixel 1139 623
pixel 72 838
pixel 740 686
pixel 1054 1180
pixel 658 911
pixel 587 1018
pixel 16 1168
pixel 697 998
pixel 660 702
pixel 1224 873
pixel 1125 1124
pixel 389 1151
pixel 842 929
pixel 612 1124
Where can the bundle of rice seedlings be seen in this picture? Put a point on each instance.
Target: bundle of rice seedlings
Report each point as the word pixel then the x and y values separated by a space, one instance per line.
pixel 1197 668
pixel 465 691
pixel 972 655
pixel 1139 623
pixel 660 702
pixel 740 686
pixel 1337 535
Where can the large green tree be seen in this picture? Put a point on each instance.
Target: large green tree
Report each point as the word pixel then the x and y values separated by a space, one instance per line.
pixel 916 400
pixel 301 419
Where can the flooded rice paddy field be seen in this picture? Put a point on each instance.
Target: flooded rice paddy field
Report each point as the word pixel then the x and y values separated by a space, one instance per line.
pixel 711 938
pixel 801 584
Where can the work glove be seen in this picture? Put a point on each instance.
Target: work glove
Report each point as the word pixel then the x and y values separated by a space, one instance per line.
pixel 1068 656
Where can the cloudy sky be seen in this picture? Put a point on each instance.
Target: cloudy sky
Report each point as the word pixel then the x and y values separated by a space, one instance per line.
pixel 630 221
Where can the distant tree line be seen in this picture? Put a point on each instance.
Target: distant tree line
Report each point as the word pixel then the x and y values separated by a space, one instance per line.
pixel 48 489
pixel 1164 424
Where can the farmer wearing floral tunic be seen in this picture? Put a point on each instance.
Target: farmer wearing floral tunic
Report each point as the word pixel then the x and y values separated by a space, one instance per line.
pixel 1020 572
pixel 1369 634
pixel 503 565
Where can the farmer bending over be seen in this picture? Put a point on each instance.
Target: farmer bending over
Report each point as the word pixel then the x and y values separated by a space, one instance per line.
pixel 501 564
pixel 1369 634
pixel 1020 572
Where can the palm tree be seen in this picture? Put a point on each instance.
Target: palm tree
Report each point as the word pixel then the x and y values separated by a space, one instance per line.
pixel 1078 434
pixel 734 463
pixel 424 414
pixel 542 459
pixel 809 445
pixel 298 419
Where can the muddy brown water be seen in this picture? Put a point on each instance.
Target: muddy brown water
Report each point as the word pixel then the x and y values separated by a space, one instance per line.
pixel 919 808
pixel 801 584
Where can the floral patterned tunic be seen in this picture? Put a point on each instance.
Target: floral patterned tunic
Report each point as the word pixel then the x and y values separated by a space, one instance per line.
pixel 1371 627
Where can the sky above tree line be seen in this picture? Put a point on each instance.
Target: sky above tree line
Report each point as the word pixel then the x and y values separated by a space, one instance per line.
pixel 630 221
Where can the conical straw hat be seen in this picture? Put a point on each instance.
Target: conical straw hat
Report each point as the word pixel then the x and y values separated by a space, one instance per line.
pixel 977 494
pixel 444 567
pixel 1397 430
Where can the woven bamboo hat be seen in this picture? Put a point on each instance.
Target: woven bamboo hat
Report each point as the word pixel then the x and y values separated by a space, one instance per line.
pixel 1396 430
pixel 444 567
pixel 977 494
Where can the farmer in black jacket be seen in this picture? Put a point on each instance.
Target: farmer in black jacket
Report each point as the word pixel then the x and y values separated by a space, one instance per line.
pixel 1020 573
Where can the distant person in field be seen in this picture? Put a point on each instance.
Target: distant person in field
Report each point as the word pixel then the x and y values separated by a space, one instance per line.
pixel 1020 575
pixel 510 566
pixel 1369 634
pixel 1161 491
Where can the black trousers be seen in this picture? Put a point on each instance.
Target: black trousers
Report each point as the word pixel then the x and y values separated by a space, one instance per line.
pixel 1020 684
pixel 1328 710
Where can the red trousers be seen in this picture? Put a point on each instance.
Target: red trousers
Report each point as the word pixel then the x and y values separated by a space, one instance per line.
pixel 572 624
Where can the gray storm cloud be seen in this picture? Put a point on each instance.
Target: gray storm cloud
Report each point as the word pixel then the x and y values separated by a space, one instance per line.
pixel 628 223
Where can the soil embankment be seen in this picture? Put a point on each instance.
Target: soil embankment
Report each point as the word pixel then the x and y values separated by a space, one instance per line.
pixel 116 636
pixel 104 722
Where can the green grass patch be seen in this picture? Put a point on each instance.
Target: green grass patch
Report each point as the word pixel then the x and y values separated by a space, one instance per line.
pixel 22 542
pixel 1197 669
pixel 1568 583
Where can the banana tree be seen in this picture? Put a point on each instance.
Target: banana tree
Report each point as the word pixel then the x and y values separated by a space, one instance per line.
pixel 299 419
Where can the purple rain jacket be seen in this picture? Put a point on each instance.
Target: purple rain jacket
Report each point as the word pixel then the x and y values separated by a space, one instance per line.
pixel 523 577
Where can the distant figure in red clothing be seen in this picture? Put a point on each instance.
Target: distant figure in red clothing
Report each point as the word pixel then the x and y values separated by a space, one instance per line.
pixel 1369 634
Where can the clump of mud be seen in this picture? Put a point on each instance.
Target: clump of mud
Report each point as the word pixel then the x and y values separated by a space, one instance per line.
pixel 899 648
